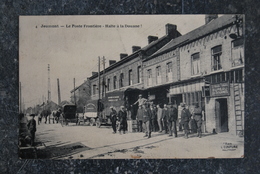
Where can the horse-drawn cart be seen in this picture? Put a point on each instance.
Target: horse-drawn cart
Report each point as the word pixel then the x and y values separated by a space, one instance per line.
pixel 69 115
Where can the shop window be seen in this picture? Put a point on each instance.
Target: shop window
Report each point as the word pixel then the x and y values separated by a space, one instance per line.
pixel 192 97
pixel 168 71
pixel 216 58
pixel 94 89
pixel 188 98
pixel 115 82
pixel 238 76
pixel 121 80
pixel 139 72
pixel 158 75
pixel 195 63
pixel 184 98
pixel 149 77
pixel 130 77
pixel 108 84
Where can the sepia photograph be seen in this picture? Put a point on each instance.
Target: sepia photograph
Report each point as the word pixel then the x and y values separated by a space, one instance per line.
pixel 131 86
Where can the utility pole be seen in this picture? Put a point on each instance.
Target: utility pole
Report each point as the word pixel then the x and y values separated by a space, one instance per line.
pixel 98 77
pixel 59 98
pixel 104 82
pixel 74 93
pixel 49 84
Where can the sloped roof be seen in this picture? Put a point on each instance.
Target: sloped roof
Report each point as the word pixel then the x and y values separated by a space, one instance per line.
pixel 133 55
pixel 204 30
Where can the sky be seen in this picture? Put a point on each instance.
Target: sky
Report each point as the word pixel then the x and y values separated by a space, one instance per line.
pixel 73 50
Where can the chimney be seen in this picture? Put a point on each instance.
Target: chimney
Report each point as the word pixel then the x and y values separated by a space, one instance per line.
pixel 94 73
pixel 210 17
pixel 135 48
pixel 152 38
pixel 123 55
pixel 111 62
pixel 171 30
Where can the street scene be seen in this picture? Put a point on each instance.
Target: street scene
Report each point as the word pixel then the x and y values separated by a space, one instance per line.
pixel 95 90
pixel 90 142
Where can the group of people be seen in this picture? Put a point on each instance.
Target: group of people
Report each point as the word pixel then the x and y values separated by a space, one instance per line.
pixel 118 120
pixel 52 117
pixel 153 118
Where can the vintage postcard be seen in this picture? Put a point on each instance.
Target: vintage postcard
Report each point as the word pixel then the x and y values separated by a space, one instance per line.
pixel 131 86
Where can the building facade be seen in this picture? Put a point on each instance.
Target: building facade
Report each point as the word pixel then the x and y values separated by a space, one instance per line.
pixel 81 94
pixel 204 66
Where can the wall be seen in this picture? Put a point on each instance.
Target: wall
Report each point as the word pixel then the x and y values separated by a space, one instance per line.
pixel 204 46
pixel 161 61
pixel 124 68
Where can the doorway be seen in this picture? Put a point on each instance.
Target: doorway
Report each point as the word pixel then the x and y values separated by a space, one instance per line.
pixel 176 99
pixel 221 111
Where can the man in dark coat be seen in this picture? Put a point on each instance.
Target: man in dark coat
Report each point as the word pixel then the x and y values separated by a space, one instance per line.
pixel 122 117
pixel 197 115
pixel 172 119
pixel 147 120
pixel 153 118
pixel 113 119
pixel 58 113
pixel 185 118
pixel 165 113
pixel 31 125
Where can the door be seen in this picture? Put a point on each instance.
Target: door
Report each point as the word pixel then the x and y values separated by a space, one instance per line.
pixel 221 111
pixel 176 99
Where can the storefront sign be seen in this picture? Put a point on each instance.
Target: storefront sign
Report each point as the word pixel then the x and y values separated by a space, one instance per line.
pixel 113 98
pixel 220 89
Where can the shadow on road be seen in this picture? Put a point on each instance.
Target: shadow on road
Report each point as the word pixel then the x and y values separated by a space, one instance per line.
pixel 56 152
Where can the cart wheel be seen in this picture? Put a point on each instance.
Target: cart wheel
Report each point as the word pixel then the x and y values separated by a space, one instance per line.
pixel 91 122
pixel 98 123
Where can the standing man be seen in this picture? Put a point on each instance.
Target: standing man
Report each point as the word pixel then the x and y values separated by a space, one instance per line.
pixel 122 116
pixel 165 114
pixel 58 115
pixel 40 118
pixel 159 117
pixel 153 118
pixel 141 101
pixel 31 125
pixel 113 118
pixel 197 116
pixel 139 118
pixel 185 118
pixel 146 119
pixel 172 120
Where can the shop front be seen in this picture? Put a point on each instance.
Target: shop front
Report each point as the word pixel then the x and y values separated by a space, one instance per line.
pixel 218 107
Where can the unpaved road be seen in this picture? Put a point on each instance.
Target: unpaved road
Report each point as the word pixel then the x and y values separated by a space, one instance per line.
pixel 90 142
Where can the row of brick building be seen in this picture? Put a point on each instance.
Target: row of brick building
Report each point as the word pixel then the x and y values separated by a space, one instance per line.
pixel 204 66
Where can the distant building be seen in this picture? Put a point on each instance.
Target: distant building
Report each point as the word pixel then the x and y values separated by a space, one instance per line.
pixel 82 94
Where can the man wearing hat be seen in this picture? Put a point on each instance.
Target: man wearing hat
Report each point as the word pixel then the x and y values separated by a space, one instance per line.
pixel 147 120
pixel 172 120
pixel 122 117
pixel 141 101
pixel 185 118
pixel 31 125
pixel 113 118
pixel 197 115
